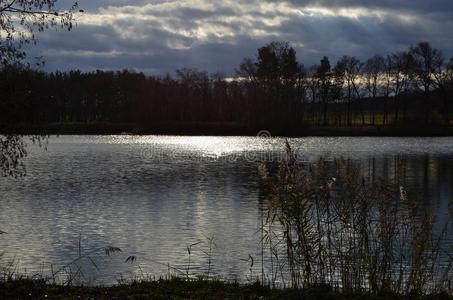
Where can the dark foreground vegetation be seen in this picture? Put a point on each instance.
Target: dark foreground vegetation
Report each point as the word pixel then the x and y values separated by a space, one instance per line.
pixel 178 288
pixel 328 223
pixel 397 94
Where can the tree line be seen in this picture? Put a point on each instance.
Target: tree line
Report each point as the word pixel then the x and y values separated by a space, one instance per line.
pixel 272 90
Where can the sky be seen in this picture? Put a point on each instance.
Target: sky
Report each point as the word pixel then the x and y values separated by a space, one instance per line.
pixel 159 36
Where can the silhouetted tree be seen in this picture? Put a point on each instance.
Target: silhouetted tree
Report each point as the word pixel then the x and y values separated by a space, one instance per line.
pixel 427 62
pixel 373 71
pixel 351 69
pixel 323 74
pixel 272 91
pixel 443 81
pixel 275 73
pixel 400 66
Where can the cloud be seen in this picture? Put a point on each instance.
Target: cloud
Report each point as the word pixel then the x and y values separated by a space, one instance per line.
pixel 160 36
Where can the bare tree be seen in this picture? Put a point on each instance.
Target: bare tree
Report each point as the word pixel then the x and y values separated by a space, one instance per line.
pixel 352 68
pixel 247 69
pixel 427 62
pixel 20 19
pixel 399 72
pixel 324 76
pixel 312 89
pixel 301 93
pixel 373 71
pixel 443 81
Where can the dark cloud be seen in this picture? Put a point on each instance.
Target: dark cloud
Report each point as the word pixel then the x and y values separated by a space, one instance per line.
pixel 395 5
pixel 160 36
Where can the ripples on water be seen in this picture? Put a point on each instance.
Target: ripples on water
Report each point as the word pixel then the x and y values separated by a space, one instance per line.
pixel 154 195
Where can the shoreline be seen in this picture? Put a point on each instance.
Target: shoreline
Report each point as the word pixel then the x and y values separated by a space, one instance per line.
pixel 213 129
pixel 180 288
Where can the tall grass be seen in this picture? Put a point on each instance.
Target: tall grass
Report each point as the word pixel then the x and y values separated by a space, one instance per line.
pixel 325 224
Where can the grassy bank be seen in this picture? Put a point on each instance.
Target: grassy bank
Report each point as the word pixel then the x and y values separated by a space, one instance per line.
pixel 179 289
pixel 228 129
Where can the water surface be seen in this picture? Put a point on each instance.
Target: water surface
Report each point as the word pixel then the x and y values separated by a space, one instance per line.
pixel 152 196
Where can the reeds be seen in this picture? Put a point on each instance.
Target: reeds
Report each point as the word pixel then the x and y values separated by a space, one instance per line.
pixel 325 224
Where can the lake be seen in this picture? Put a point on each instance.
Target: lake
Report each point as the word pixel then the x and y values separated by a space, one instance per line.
pixel 153 196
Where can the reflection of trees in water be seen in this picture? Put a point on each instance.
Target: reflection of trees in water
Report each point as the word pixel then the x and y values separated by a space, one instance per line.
pixel 427 178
